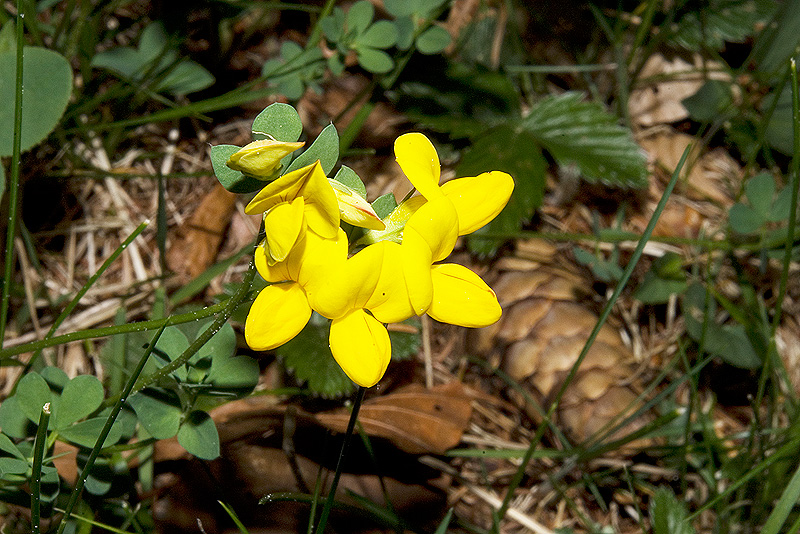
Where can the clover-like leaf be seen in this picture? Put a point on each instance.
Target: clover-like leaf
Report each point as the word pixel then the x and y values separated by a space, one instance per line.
pixel 32 393
pixel 359 16
pixel 384 205
pixel 373 60
pixel 81 397
pixel 47 83
pixel 348 177
pixel 433 40
pixel 13 420
pixel 279 121
pixel 86 433
pixel 236 375
pixel 382 34
pixel 325 148
pixel 199 436
pixel 158 411
pixel 759 190
pixel 233 181
pixel 221 346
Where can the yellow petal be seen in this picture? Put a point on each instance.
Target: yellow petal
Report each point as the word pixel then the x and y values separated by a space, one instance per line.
pixel 261 159
pixel 416 260
pixel 394 222
pixel 270 271
pixel 354 209
pixel 349 287
pixel 420 163
pixel 278 314
pixel 360 344
pixel 460 297
pixel 319 257
pixel 436 222
pixel 283 225
pixel 284 189
pixel 478 199
pixel 322 208
pixel 389 301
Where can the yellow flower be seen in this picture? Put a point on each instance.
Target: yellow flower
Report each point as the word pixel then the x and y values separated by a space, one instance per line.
pixel 354 209
pixel 290 203
pixel 261 159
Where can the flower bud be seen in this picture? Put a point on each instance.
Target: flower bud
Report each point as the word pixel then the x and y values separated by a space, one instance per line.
pixel 354 209
pixel 261 159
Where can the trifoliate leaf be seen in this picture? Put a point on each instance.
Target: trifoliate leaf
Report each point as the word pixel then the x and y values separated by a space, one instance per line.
pixel 433 40
pixel 348 177
pixel 86 433
pixel 359 16
pixel 158 411
pixel 308 356
pixel 233 181
pixel 373 60
pixel 382 34
pixel 279 121
pixel 584 134
pixel 32 393
pixel 81 397
pixel 515 151
pixel 199 436
pixel 384 205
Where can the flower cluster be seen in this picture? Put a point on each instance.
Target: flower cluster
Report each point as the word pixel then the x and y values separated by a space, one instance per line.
pixel 397 275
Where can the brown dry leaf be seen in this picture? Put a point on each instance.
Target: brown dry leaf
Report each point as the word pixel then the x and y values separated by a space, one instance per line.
pixel 195 245
pixel 659 102
pixel 415 419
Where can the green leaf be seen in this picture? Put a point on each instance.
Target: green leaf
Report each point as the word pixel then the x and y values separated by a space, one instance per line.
pixel 158 411
pixel 348 177
pixel 359 16
pixel 325 148
pixel 584 134
pixel 333 25
pixel 778 41
pixel 280 121
pixel 47 82
pixel 710 101
pixel 221 346
pixel 779 132
pixel 81 397
pixel 233 181
pixel 13 421
pixel 782 207
pixel 759 190
pixel 720 22
pixel 404 26
pixel 656 290
pixel 744 219
pixel 515 151
pixel 7 446
pixel 384 205
pixel 373 60
pixel 399 8
pixel 668 515
pixel 433 40
pixel 405 344
pixel 2 181
pixel 87 432
pixel 198 435
pixel 382 34
pixel 309 357
pixel 13 466
pixel 32 393
pixel 172 342
pixel 236 375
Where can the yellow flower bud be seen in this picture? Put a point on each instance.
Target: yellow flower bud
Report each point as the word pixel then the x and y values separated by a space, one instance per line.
pixel 261 159
pixel 354 209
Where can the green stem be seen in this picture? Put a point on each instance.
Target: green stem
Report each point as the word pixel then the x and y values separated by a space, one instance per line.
pixel 637 253
pixel 36 471
pixel 351 424
pixel 89 283
pixel 112 417
pixel 13 183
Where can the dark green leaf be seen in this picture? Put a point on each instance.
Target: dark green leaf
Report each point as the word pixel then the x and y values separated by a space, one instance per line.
pixel 236 375
pixel 405 344
pixel 158 411
pixel 233 181
pixel 348 177
pixel 720 22
pixel 584 134
pixel 13 420
pixel 87 432
pixel 47 79
pixel 778 41
pixel 279 121
pixel 744 219
pixel 373 60
pixel 779 131
pixel 384 205
pixel 7 446
pixel 433 40
pixel 13 466
pixel 333 25
pixel 81 396
pixel 515 151
pixel 382 34
pixel 184 78
pixel 759 190
pixel 655 290
pixel 404 26
pixel 709 102
pixel 172 342
pixel 222 345
pixel 309 357
pixel 399 8
pixel 325 148
pixel 32 393
pixel 198 435
pixel 359 16
pixel 782 207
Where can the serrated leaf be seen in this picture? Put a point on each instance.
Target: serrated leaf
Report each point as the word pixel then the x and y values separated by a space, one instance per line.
pixel 280 121
pixel 668 515
pixel 32 393
pixel 433 40
pixel 87 432
pixel 586 135
pixel 233 181
pixel 515 151
pixel 81 397
pixel 348 177
pixel 325 148
pixel 375 61
pixel 309 357
pixel 47 82
pixel 382 34
pixel 359 16
pixel 199 436
pixel 759 190
pixel 158 411
pixel 384 205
